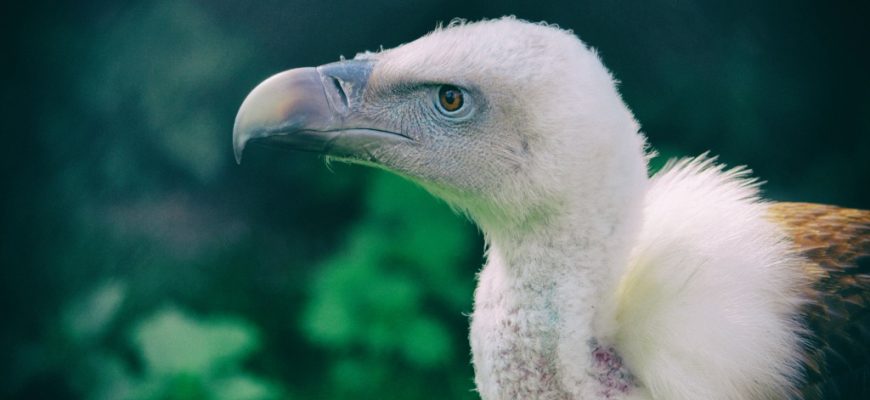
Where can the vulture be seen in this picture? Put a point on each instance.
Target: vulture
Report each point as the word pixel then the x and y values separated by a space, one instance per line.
pixel 600 281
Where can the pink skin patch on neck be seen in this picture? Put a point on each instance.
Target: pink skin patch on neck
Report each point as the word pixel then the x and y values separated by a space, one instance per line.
pixel 615 378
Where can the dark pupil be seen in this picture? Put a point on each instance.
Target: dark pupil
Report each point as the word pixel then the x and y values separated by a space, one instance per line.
pixel 451 98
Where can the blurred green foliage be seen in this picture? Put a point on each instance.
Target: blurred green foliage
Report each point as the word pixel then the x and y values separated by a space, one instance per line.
pixel 374 302
pixel 139 262
pixel 180 357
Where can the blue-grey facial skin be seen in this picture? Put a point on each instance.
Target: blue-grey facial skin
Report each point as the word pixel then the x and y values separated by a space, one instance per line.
pixel 443 142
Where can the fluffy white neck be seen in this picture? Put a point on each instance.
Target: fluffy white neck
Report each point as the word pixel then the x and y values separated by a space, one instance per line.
pixel 542 308
pixel 585 255
pixel 545 303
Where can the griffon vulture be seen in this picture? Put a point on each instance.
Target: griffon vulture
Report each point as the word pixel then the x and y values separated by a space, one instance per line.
pixel 601 282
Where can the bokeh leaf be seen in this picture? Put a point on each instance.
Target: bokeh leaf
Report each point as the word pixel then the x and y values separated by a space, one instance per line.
pixel 88 318
pixel 172 343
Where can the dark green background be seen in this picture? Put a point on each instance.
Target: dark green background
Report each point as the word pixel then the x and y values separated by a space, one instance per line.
pixel 139 261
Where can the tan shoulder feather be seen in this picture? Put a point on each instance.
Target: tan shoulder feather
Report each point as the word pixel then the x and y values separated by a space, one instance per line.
pixel 836 244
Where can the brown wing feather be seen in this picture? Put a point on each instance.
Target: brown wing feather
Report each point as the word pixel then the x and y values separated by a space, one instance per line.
pixel 836 244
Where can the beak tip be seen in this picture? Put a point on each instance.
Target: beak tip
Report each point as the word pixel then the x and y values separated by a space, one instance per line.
pixel 238 147
pixel 239 141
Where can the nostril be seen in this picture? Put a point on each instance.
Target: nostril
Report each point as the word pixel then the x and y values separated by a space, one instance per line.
pixel 341 94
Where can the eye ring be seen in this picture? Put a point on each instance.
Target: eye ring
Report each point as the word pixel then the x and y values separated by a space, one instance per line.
pixel 451 100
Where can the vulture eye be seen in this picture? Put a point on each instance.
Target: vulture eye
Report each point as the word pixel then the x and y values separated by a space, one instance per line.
pixel 450 99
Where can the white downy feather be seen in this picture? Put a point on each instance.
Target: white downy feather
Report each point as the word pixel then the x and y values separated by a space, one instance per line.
pixel 708 307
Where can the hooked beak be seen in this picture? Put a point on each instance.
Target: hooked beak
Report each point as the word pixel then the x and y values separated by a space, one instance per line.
pixel 314 109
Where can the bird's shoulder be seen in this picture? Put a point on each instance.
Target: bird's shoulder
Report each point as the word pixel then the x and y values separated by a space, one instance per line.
pixel 832 238
pixel 835 244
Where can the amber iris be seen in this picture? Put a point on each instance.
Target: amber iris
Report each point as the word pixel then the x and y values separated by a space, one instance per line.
pixel 450 98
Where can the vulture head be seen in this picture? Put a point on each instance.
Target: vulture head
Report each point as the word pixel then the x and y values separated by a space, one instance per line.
pixel 513 123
